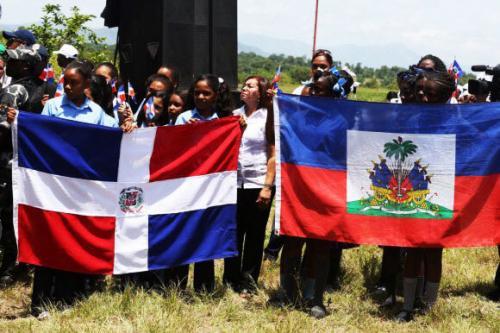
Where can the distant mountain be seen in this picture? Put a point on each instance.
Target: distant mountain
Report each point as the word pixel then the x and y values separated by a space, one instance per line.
pixel 369 55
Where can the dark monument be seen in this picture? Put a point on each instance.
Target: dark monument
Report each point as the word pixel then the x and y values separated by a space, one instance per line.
pixel 193 36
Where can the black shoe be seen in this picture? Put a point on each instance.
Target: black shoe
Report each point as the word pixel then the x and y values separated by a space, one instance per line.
pixel 279 300
pixel 379 290
pixel 404 316
pixel 494 295
pixel 318 311
pixel 388 302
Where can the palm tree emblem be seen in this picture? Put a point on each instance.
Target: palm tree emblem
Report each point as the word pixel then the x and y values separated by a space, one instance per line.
pixel 400 150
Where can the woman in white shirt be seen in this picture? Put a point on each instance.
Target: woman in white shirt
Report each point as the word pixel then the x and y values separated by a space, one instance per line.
pixel 256 172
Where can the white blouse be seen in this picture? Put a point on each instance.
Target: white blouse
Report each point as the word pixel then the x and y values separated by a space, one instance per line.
pixel 252 162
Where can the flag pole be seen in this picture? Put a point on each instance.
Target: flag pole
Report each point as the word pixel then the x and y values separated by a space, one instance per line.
pixel 315 26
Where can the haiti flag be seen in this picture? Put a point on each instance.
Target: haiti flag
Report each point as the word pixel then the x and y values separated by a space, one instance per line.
pixel 388 174
pixel 92 199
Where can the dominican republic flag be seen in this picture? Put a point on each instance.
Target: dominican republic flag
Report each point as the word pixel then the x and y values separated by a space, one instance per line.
pixel 92 199
pixel 388 174
pixel 131 91
pixel 149 108
pixel 48 74
pixel 122 97
pixel 60 86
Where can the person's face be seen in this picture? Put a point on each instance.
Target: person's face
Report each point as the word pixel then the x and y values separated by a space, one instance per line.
pixel 319 63
pixel 321 88
pixel 104 71
pixel 62 61
pixel 427 64
pixel 250 92
pixel 204 96
pixel 14 43
pixel 156 87
pixel 74 84
pixel 158 104
pixel 175 105
pixel 427 92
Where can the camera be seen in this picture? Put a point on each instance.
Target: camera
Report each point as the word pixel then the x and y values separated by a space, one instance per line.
pixel 484 87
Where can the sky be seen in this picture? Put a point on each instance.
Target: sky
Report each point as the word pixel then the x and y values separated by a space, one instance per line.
pixel 447 28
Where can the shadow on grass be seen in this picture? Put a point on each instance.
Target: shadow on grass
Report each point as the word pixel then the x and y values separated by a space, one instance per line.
pixel 480 288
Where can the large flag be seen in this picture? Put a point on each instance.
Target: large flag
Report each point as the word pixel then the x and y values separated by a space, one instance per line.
pixel 92 199
pixel 387 174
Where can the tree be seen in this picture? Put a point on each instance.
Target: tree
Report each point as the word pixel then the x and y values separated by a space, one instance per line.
pixel 57 29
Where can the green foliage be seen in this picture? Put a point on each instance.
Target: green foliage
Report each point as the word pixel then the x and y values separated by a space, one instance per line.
pixel 400 149
pixel 297 69
pixel 56 29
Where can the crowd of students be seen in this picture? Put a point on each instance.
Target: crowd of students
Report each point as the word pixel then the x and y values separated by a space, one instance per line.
pixel 308 267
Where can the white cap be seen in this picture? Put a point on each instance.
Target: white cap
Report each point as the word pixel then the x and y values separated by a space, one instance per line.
pixel 69 51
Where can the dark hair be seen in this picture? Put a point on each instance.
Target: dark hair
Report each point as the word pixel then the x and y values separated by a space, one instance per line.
pixel 445 83
pixel 325 53
pixel 263 85
pixel 391 95
pixel 333 76
pixel 84 68
pixel 175 75
pixel 224 103
pixel 161 119
pixel 406 82
pixel 163 79
pixel 101 93
pixel 111 66
pixel 438 63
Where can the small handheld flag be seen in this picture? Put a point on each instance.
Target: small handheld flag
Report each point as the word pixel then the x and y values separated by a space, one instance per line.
pixel 113 87
pixel 131 91
pixel 456 70
pixel 48 74
pixel 276 79
pixel 60 86
pixel 122 97
pixel 149 109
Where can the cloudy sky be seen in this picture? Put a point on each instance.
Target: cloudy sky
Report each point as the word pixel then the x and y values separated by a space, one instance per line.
pixel 467 30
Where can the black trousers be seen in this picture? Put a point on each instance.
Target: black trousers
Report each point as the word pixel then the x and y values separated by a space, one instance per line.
pixel 244 270
pixel 51 286
pixel 8 239
pixel 316 265
pixel 274 245
pixel 391 267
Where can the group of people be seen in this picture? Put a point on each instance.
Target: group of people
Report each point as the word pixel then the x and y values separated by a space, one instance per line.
pixel 89 94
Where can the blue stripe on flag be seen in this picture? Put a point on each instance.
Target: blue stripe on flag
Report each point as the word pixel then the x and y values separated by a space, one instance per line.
pixel 183 238
pixel 68 148
pixel 314 130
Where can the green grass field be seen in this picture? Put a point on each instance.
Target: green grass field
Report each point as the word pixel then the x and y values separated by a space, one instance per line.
pixel 462 307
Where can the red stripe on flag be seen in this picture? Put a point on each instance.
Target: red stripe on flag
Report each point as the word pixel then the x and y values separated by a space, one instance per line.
pixel 196 149
pixel 68 242
pixel 314 205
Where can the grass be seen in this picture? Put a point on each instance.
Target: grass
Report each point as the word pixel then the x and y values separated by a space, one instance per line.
pixel 461 308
